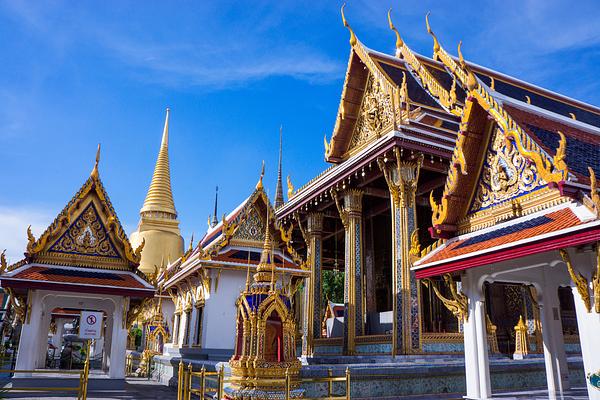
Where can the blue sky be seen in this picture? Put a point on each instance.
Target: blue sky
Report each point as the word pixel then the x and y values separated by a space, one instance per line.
pixel 73 74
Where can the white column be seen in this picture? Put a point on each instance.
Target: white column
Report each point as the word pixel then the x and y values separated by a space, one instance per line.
pixel 57 337
pixel 470 344
pixel 475 339
pixel 557 374
pixel 118 345
pixel 588 324
pixel 485 387
pixel 27 354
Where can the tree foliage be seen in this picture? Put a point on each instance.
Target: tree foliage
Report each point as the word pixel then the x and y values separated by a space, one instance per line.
pixel 332 285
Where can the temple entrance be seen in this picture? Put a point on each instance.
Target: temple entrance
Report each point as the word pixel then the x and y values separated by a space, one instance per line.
pixel 65 349
pixel 274 338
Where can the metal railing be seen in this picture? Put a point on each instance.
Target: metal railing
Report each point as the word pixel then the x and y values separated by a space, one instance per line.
pixel 81 388
pixel 130 366
pixel 212 384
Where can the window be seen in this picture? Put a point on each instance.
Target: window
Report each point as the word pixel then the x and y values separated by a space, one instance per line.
pixel 199 312
pixel 176 329
pixel 186 333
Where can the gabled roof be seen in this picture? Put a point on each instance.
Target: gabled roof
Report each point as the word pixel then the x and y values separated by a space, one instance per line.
pixel 86 233
pixel 565 225
pixel 237 240
pixel 484 111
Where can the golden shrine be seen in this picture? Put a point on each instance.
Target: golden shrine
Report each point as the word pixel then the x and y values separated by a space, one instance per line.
pixel 265 347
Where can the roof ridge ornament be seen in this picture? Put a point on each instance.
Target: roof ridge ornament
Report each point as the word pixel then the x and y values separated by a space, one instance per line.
pixel 447 99
pixel 259 184
pixel 353 39
pixel 399 41
pixel 436 43
pixel 94 173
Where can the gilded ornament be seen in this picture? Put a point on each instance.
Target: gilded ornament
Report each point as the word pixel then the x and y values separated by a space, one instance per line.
pixel 445 98
pixel 3 263
pixel 458 304
pixel 353 39
pixel 402 178
pixel 439 210
pixel 327 146
pixel 376 114
pixel 290 190
pixel 259 184
pixel 506 175
pixel 415 245
pixel 579 280
pixel 594 195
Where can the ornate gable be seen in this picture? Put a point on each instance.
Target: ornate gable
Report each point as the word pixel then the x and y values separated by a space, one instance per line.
pixel 505 175
pixel 87 236
pixel 376 115
pixel 252 228
pixel 86 233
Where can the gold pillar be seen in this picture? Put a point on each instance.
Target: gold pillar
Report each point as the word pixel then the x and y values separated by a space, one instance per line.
pixel 351 215
pixel 312 292
pixel 402 177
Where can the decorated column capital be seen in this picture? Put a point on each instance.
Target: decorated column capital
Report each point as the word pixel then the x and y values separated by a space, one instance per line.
pixel 401 178
pixel 352 205
pixel 315 223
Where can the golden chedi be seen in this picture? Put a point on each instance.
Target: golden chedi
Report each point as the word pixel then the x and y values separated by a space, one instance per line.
pixel 159 227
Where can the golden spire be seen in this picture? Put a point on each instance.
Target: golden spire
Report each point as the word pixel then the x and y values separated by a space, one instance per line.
pixel 266 265
pixel 279 187
pixel 94 173
pixel 159 197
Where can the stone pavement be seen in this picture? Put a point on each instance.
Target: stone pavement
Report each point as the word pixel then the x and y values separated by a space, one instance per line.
pixel 135 389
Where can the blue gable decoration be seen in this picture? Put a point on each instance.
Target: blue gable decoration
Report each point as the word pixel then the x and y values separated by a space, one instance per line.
pixel 86 236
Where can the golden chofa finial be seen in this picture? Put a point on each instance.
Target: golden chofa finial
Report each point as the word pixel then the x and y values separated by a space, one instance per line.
pixel 399 41
pixel 471 79
pixel 436 43
pixel 353 39
pixel 259 185
pixel 94 173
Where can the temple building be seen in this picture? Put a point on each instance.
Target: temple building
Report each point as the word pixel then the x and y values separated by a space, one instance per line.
pixel 436 161
pixel 82 261
pixel 198 291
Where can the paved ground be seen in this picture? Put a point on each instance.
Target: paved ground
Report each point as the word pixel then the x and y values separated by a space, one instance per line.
pixel 142 389
pixel 135 388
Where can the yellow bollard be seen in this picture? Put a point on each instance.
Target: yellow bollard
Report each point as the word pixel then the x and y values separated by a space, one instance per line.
pixel 287 384
pixel 221 378
pixel 179 380
pixel 202 381
pixel 189 382
pixel 347 383
pixel 329 383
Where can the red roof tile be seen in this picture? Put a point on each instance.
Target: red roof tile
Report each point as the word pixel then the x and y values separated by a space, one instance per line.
pixel 80 277
pixel 551 222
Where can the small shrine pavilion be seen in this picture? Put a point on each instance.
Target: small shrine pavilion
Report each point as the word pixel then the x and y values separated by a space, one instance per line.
pixel 83 261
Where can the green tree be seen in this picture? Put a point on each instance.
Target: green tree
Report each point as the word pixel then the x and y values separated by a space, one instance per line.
pixel 332 284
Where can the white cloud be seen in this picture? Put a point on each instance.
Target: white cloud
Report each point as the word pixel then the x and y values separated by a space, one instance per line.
pixel 13 228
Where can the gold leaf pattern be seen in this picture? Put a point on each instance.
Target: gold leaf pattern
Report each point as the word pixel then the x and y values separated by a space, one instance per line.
pixel 507 174
pixel 86 236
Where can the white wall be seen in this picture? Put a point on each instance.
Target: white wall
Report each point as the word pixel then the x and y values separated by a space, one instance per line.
pixel 219 310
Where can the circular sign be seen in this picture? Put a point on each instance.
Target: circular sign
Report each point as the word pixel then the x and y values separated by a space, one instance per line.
pixel 91 319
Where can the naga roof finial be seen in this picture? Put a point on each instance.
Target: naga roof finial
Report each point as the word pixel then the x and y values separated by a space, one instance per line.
pixel 471 79
pixel 94 173
pixel 436 43
pixel 353 39
pixel 259 185
pixel 399 41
